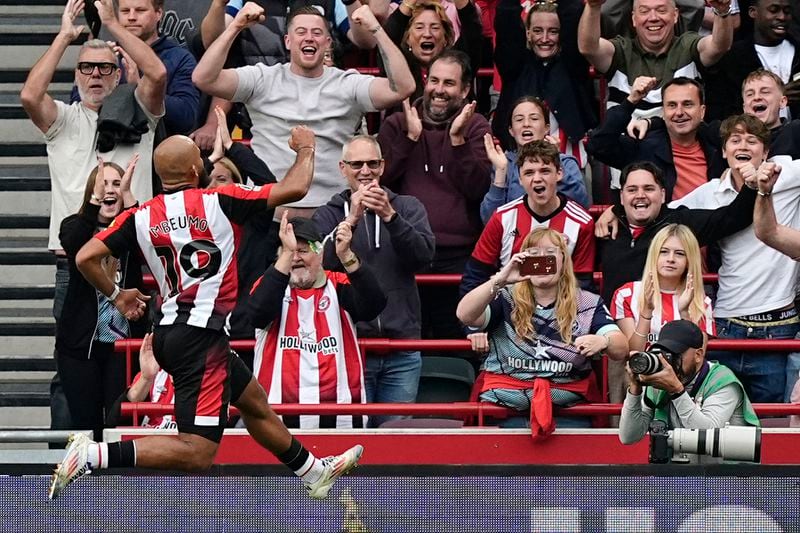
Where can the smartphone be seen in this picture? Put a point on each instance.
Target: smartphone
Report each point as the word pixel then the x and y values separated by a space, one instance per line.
pixel 541 265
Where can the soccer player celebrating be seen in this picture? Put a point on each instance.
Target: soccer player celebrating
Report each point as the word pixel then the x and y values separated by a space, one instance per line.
pixel 189 237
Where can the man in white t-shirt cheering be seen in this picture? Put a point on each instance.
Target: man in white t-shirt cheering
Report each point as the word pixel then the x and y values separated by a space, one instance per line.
pixel 757 285
pixel 328 100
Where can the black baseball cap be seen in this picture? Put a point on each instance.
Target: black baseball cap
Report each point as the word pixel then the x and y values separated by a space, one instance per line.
pixel 305 229
pixel 678 336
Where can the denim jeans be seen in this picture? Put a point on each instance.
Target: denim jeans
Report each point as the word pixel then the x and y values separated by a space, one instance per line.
pixel 391 378
pixel 763 374
pixel 792 372
pixel 62 282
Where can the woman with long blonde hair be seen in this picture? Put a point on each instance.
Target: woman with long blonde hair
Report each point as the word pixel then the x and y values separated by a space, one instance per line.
pixel 671 288
pixel 543 331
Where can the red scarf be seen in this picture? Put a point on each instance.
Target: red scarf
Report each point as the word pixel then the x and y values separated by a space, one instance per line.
pixel 542 423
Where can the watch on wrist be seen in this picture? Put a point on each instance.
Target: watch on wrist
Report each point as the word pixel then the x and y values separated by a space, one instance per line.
pixel 675 395
pixel 721 14
pixel 350 262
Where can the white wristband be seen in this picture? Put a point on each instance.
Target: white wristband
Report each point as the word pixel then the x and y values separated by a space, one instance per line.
pixel 114 293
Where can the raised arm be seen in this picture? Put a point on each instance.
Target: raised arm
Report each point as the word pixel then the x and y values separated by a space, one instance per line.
pixel 209 76
pixel 510 40
pixel 399 83
pixel 712 47
pixel 783 238
pixel 597 51
pixel 39 105
pixel 151 89
pixel 213 23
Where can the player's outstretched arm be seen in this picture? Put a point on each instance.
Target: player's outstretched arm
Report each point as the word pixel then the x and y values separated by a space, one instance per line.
pixel 294 186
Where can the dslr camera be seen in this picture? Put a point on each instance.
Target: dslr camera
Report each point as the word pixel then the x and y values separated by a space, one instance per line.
pixel 647 363
pixel 733 443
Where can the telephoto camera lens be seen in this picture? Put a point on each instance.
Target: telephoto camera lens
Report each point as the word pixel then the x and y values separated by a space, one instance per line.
pixel 733 443
pixel 644 363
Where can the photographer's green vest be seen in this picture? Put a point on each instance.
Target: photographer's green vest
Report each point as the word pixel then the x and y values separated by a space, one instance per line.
pixel 716 377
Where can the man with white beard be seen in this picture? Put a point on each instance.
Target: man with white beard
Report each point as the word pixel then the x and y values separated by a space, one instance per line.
pixel 306 344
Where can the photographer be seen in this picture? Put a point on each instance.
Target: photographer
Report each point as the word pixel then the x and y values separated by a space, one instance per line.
pixel 682 389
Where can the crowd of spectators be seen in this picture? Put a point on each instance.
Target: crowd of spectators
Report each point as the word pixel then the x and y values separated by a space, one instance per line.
pixel 703 125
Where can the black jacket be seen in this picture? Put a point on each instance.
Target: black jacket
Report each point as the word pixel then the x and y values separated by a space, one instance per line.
pixel 563 82
pixel 120 120
pixel 405 245
pixel 75 330
pixel 623 258
pixel 610 144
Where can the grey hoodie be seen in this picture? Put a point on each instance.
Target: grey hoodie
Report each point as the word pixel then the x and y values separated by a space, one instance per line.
pixel 395 251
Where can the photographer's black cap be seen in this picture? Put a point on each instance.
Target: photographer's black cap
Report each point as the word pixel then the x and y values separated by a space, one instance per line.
pixel 678 336
pixel 305 229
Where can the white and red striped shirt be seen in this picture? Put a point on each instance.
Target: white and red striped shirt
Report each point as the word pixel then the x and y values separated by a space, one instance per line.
pixel 626 305
pixel 162 391
pixel 189 239
pixel 311 354
pixel 510 224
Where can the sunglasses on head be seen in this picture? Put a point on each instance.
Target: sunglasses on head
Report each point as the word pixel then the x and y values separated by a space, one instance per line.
pixel 372 164
pixel 87 67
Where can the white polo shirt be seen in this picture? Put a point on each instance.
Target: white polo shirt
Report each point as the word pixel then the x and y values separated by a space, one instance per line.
pixel 753 278
pixel 71 156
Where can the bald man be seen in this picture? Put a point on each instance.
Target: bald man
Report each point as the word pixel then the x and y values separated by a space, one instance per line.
pixel 189 237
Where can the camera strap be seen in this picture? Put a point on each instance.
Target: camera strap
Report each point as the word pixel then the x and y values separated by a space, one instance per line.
pixel 660 399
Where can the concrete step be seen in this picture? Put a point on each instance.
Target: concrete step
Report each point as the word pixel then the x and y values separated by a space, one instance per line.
pixel 23 57
pixel 27 256
pixel 23 149
pixel 9 92
pixel 31 292
pixel 25 417
pixel 14 346
pixel 27 307
pixel 26 202
pixel 25 393
pixel 27 326
pixel 24 243
pixel 20 222
pixel 14 276
pixel 19 129
pixel 22 364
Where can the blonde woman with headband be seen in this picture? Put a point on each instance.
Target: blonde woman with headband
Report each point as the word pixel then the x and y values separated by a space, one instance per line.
pixel 543 332
pixel 671 288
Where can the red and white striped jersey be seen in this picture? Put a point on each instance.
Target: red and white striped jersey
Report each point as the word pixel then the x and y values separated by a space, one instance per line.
pixel 626 305
pixel 311 354
pixel 510 224
pixel 189 240
pixel 162 392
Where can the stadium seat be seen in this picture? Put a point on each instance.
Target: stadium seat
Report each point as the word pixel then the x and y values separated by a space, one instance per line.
pixel 445 379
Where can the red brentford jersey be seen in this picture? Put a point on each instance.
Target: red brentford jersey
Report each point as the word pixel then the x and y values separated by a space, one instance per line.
pixel 162 392
pixel 311 355
pixel 510 224
pixel 189 239
pixel 626 305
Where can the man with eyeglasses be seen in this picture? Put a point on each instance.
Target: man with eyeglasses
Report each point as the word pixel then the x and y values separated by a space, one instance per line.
pixel 306 343
pixel 70 130
pixel 393 236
